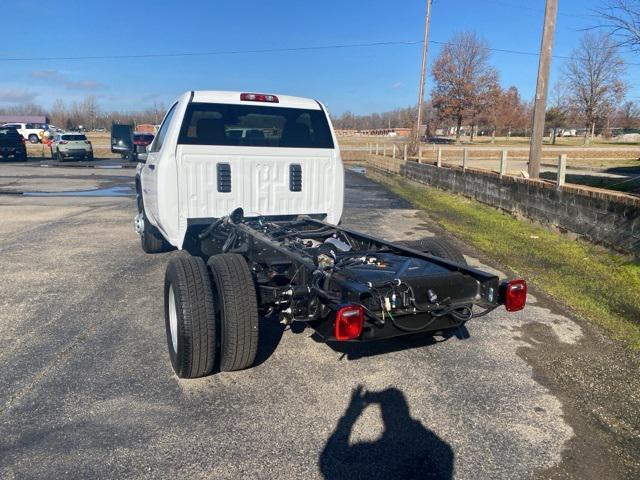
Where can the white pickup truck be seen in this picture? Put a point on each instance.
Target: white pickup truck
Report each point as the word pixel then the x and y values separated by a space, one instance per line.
pixel 250 187
pixel 274 156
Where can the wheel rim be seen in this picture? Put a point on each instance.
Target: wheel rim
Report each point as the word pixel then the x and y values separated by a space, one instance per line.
pixel 138 222
pixel 173 319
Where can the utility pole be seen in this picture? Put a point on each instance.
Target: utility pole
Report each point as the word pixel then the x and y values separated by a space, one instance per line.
pixel 423 71
pixel 542 87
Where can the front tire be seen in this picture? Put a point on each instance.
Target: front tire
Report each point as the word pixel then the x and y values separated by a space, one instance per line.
pixel 33 138
pixel 152 240
pixel 189 316
pixel 235 299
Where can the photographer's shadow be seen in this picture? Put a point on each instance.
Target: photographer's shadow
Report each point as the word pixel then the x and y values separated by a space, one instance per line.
pixel 406 450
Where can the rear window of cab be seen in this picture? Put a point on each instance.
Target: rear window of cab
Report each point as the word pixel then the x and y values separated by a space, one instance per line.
pixel 254 126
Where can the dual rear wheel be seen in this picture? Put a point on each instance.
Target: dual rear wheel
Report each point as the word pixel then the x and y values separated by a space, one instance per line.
pixel 211 314
pixel 438 247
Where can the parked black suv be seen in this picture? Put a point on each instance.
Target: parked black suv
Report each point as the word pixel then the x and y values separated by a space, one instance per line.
pixel 12 144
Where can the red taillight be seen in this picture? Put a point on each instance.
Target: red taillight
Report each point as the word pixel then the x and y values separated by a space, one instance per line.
pixel 258 97
pixel 63 142
pixel 348 323
pixel 515 295
pixel 24 142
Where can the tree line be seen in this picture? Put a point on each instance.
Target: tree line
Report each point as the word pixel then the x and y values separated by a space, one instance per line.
pixel 87 113
pixel 466 91
pixel 589 96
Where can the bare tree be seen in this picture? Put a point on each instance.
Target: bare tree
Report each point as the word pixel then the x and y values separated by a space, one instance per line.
pixel 24 109
pixel 628 115
pixel 90 110
pixel 594 77
pixel 400 117
pixel 59 113
pixel 464 80
pixel 622 19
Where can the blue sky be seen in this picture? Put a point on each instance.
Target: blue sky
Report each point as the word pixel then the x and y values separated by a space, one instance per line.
pixel 363 79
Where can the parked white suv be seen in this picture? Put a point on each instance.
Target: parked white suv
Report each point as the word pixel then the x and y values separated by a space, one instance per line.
pixel 33 132
pixel 71 146
pixel 274 156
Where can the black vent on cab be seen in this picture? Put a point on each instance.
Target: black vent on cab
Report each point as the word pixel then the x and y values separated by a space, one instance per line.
pixel 224 177
pixel 295 177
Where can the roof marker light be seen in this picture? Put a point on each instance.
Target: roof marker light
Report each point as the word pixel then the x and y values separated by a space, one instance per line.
pixel 258 97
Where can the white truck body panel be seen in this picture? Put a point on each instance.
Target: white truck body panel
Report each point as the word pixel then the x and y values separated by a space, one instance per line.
pixel 179 181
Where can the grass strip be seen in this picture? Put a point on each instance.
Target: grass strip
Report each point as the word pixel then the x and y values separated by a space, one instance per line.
pixel 600 285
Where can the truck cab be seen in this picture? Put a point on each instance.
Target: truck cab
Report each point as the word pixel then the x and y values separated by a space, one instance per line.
pixel 274 156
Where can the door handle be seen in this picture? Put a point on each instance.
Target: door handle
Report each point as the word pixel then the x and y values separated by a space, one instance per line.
pixel 151 166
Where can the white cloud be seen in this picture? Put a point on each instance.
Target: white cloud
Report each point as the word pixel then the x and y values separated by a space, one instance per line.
pixel 83 85
pixel 47 74
pixel 397 85
pixel 55 76
pixel 17 96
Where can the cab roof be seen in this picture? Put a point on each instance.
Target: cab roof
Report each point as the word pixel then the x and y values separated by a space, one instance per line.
pixel 286 101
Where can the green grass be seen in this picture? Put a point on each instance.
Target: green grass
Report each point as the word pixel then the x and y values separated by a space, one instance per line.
pixel 630 184
pixel 599 285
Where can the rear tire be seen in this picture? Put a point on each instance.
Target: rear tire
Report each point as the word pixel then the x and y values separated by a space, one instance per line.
pixel 189 316
pixel 438 247
pixel 235 299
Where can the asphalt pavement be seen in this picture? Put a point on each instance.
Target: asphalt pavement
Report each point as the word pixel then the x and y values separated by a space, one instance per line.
pixel 87 390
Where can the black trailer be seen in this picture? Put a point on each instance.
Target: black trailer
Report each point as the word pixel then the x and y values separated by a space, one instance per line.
pixel 347 286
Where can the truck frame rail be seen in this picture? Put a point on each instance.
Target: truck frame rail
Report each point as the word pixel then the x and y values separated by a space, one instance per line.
pixel 350 286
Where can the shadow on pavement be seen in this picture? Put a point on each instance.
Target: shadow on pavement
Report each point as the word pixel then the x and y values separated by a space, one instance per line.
pixel 270 333
pixel 406 449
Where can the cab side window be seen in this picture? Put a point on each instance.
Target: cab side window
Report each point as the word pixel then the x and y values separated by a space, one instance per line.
pixel 162 133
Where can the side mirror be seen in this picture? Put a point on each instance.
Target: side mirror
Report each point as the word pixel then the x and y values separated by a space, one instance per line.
pixel 142 157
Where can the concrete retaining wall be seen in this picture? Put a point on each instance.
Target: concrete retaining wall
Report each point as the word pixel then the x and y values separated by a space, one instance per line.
pixel 599 215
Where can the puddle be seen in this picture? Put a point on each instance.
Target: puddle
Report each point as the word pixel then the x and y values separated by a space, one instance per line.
pixel 360 170
pixel 115 191
pixel 100 166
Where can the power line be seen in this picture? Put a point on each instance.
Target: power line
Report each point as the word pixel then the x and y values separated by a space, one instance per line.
pixel 212 53
pixel 266 50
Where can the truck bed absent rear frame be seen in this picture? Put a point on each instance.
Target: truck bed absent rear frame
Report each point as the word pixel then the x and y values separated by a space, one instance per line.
pixel 350 286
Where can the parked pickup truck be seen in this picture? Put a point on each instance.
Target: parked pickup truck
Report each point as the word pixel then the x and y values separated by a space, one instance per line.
pixel 256 216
